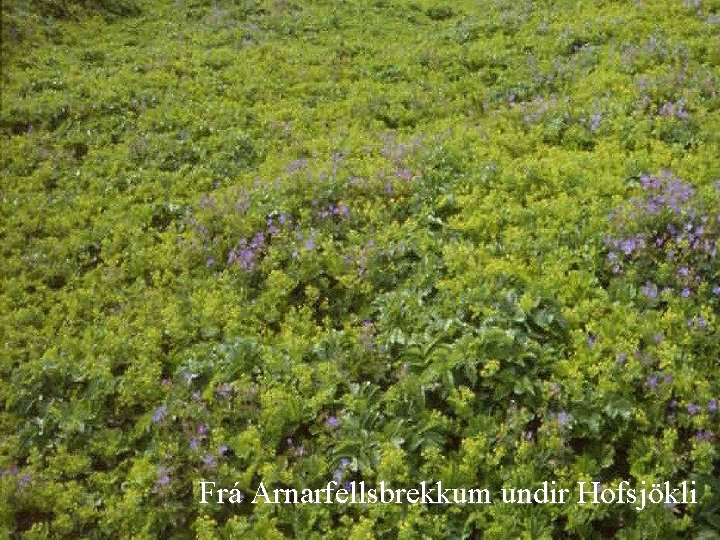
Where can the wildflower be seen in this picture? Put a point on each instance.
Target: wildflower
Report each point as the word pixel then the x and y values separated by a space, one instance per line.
pixel 686 293
pixel 703 435
pixel 209 461
pixel 650 290
pixel 202 429
pixel 652 382
pixel 194 443
pixel 405 173
pixel 595 120
pixel 296 165
pixel 223 449
pixel 332 422
pixel 210 262
pixel 591 339
pixel 713 405
pixel 24 480
pixel 163 479
pixel 657 338
pixel 693 409
pixel 563 418
pixel 159 414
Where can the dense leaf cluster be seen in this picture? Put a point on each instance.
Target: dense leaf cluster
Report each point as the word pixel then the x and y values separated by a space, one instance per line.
pixel 267 240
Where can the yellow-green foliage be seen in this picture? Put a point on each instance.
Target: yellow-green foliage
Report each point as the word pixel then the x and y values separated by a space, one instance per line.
pixel 282 241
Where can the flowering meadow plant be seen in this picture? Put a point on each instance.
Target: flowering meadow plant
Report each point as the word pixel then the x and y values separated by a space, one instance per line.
pixel 399 243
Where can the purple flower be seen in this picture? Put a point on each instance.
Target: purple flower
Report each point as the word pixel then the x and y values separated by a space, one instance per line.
pixel 338 475
pixel 163 479
pixel 713 405
pixel 194 443
pixel 210 262
pixel 685 293
pixel 24 480
pixel 202 429
pixel 563 418
pixel 652 382
pixel 704 435
pixel 650 290
pixel 405 173
pixel 621 358
pixel 332 422
pixel 667 379
pixel 693 409
pixel 257 241
pixel 159 414
pixel 657 338
pixel 595 120
pixel 591 339
pixel 209 461
pixel 296 165
pixel 716 290
pixel 223 450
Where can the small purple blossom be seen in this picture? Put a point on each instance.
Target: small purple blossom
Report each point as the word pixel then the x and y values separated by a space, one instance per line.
pixel 713 405
pixel 693 409
pixel 224 389
pixel 704 435
pixel 159 414
pixel 163 479
pixel 332 422
pixel 563 418
pixel 650 290
pixel 652 382
pixel 209 461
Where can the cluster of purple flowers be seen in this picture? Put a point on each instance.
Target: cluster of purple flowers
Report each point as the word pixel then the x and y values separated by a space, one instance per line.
pixel 163 479
pixel 340 211
pixel 674 110
pixel 247 252
pixel 653 380
pixel 340 471
pixel 666 223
